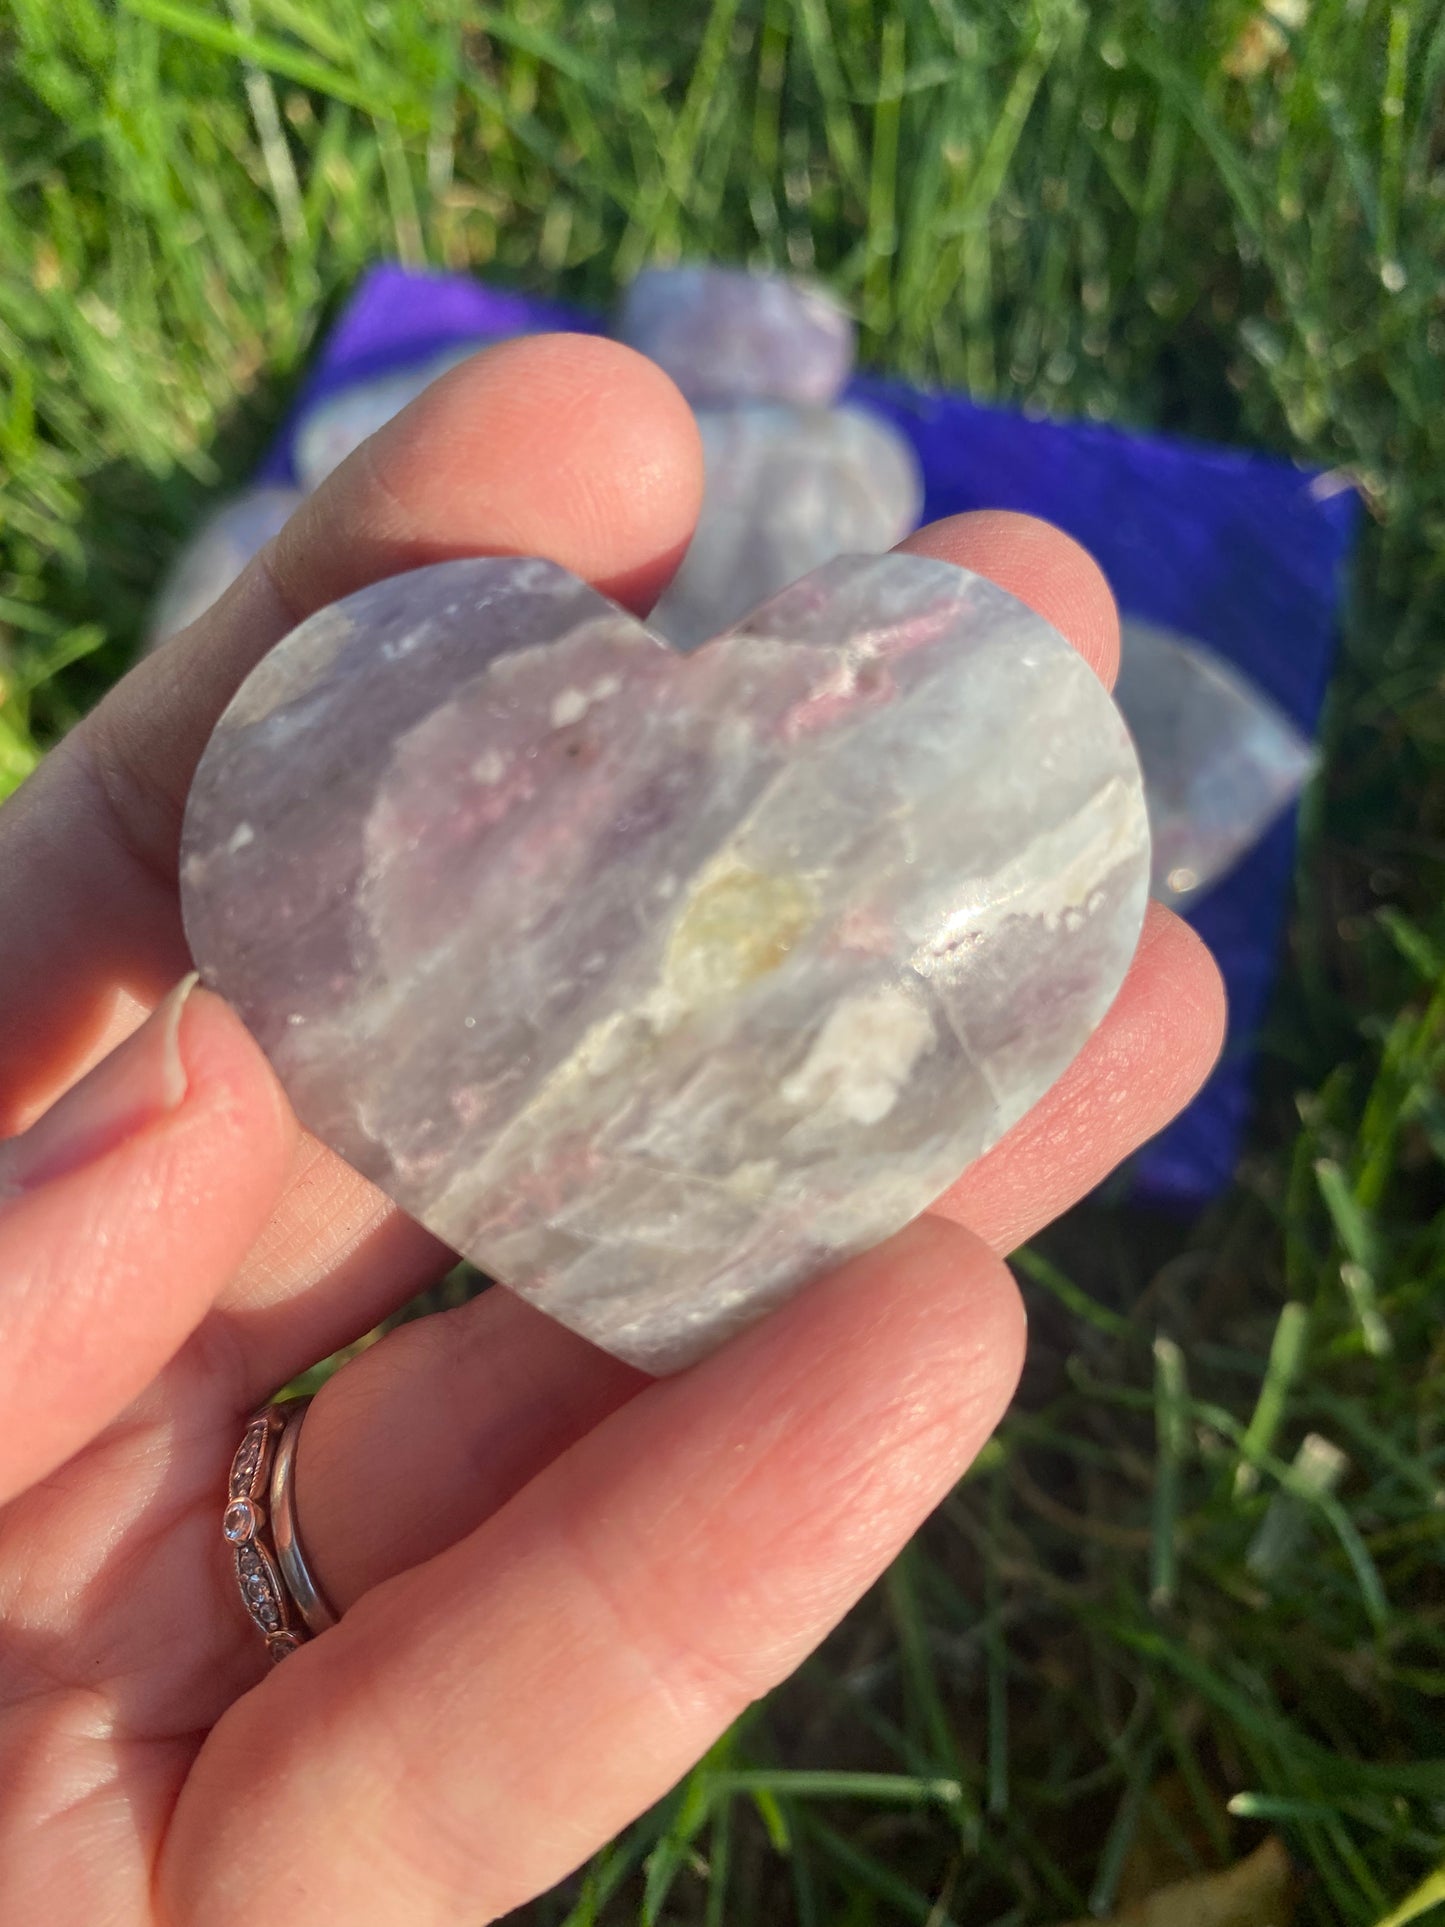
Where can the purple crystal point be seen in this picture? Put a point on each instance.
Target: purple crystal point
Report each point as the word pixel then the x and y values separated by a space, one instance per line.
pixel 725 334
pixel 658 983
pixel 1220 759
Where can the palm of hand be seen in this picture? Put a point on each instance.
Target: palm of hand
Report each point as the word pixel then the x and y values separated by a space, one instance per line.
pixel 559 1580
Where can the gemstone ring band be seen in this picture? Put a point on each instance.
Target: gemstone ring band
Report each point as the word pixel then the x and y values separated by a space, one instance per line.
pixel 259 1524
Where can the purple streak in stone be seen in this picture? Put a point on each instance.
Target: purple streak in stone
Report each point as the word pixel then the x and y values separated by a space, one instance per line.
pixel 657 983
pixel 787 490
pixel 724 334
pixel 215 555
pixel 1220 759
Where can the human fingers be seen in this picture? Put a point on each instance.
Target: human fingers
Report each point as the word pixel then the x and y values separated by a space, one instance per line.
pixel 419 1438
pixel 450 1415
pixel 1164 1031
pixel 483 1722
pixel 1039 564
pixel 468 1405
pixel 1140 1068
pixel 565 446
pixel 123 1211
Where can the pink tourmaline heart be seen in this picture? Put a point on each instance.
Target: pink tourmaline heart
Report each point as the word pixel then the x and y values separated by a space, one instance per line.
pixel 657 983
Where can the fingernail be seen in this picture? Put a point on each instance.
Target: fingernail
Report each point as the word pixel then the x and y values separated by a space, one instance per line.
pixel 142 1080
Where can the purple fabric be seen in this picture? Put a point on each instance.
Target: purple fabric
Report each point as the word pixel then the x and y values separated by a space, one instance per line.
pixel 1246 552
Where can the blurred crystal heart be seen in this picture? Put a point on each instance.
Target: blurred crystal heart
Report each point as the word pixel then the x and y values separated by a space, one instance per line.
pixel 726 334
pixel 787 489
pixel 658 983
pixel 1221 760
pixel 215 555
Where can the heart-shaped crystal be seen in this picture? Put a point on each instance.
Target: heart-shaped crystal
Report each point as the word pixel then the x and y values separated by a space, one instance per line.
pixel 657 983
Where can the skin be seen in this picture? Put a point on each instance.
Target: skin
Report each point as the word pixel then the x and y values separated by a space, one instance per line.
pixel 560 1580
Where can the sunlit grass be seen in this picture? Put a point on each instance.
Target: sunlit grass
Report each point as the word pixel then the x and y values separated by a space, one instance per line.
pixel 1195 1589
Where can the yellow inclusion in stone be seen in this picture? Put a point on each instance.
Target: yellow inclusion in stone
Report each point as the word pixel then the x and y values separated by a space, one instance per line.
pixel 739 925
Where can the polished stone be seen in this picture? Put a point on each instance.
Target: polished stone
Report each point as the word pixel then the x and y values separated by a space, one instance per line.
pixel 329 432
pixel 787 489
pixel 1221 760
pixel 725 334
pixel 656 983
pixel 213 558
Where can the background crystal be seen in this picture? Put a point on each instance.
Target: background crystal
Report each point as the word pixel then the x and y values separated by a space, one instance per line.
pixel 216 554
pixel 787 489
pixel 726 334
pixel 1220 759
pixel 657 983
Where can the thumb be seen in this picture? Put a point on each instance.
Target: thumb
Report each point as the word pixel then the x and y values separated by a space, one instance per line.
pixel 123 1212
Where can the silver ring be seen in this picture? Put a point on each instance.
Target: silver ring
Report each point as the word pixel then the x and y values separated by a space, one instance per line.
pixel 310 1601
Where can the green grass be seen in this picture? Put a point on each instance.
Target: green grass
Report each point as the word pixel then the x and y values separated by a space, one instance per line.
pixel 1196 1586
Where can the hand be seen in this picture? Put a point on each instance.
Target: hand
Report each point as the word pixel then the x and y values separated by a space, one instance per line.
pixel 560 1581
